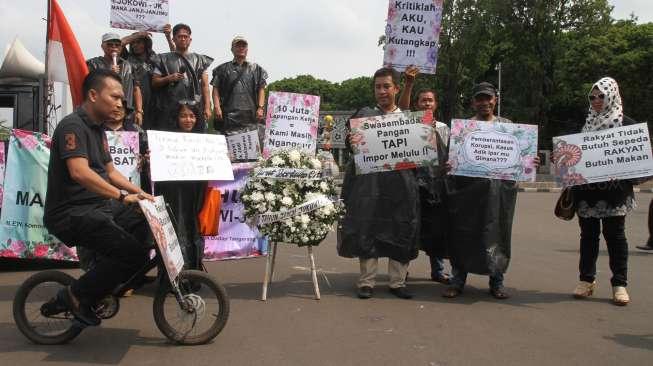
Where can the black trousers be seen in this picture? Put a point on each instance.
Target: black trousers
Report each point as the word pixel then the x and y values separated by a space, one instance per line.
pixel 650 224
pixel 615 238
pixel 116 232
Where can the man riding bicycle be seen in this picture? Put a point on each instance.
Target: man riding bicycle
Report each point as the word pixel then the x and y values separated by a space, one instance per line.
pixel 89 203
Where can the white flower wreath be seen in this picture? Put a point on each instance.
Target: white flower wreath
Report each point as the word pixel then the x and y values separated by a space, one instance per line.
pixel 290 200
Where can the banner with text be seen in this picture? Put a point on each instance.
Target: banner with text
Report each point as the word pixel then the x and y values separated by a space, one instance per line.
pixel 176 156
pixel 244 146
pixel 164 234
pixel 601 156
pixel 3 162
pixel 235 239
pixel 144 15
pixel 124 150
pixel 392 142
pixel 291 123
pixel 22 233
pixel 411 34
pixel 493 150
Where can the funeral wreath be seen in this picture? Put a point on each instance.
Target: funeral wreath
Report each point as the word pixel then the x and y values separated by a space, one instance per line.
pixel 290 200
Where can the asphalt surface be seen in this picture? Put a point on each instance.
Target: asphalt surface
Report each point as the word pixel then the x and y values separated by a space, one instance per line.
pixel 540 325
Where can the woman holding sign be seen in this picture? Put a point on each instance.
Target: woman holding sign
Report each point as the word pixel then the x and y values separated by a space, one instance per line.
pixel 602 207
pixel 186 197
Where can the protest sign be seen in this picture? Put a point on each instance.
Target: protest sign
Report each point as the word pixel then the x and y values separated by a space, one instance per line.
pixel 244 146
pixel 22 233
pixel 493 150
pixel 144 15
pixel 235 239
pixel 164 234
pixel 291 123
pixel 412 33
pixel 176 156
pixel 392 142
pixel 601 156
pixel 124 150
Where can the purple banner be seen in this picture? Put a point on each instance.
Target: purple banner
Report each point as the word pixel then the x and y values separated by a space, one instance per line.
pixel 235 239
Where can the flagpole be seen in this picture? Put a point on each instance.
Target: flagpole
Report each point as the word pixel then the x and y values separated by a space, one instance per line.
pixel 46 82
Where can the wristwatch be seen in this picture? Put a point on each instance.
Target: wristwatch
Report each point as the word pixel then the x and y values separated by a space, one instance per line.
pixel 123 194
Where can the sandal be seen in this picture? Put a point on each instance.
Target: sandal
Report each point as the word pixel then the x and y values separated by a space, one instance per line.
pixel 499 293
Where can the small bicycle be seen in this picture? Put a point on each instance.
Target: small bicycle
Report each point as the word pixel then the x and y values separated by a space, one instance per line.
pixel 192 309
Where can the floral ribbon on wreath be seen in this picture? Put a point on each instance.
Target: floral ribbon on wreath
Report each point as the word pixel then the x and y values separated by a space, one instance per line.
pixel 288 173
pixel 313 204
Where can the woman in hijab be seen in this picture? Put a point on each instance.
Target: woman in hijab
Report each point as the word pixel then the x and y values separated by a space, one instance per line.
pixel 602 207
pixel 187 197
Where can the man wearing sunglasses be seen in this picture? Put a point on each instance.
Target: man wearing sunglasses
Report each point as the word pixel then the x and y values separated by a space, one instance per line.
pixel 111 60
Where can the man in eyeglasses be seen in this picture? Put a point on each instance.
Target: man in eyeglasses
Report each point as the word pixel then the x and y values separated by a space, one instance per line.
pixel 111 60
pixel 239 92
pixel 181 76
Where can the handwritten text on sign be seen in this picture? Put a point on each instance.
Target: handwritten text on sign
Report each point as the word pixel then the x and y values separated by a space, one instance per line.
pixel 124 150
pixel 291 123
pixel 493 150
pixel 146 15
pixel 601 156
pixel 244 146
pixel 176 156
pixel 164 234
pixel 412 34
pixel 392 142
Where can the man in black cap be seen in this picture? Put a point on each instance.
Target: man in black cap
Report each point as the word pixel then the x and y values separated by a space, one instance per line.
pixel 111 60
pixel 481 213
pixel 239 92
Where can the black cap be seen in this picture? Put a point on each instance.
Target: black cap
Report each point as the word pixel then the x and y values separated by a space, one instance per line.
pixel 484 88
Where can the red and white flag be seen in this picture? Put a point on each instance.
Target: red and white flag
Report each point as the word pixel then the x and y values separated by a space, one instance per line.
pixel 66 63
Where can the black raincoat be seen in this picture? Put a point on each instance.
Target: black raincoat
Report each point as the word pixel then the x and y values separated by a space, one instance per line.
pixel 383 213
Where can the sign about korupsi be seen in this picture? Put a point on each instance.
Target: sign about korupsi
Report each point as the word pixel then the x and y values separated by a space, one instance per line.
pixel 601 156
pixel 176 156
pixel 146 15
pixel 291 123
pixel 392 142
pixel 124 150
pixel 493 150
pixel 412 33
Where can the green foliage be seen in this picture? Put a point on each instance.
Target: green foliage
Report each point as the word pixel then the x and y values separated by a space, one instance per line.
pixel 551 52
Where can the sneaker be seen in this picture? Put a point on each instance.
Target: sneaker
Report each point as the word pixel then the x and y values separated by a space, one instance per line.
pixel 620 296
pixel 584 289
pixel 365 292
pixel 401 292
pixel 81 312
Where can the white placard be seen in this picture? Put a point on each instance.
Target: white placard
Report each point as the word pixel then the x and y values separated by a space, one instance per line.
pixel 176 156
pixel 244 146
pixel 164 235
pixel 601 156
pixel 124 150
pixel 145 15
pixel 291 123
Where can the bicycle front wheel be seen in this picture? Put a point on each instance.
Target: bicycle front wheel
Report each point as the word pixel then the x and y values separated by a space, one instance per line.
pixel 204 314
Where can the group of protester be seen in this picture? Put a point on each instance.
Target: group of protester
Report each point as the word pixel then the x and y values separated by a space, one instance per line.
pixel 390 214
pixel 469 220
pixel 170 92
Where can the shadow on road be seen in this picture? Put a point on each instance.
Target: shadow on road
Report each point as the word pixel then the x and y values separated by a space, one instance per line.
pixel 644 341
pixel 604 253
pixel 106 346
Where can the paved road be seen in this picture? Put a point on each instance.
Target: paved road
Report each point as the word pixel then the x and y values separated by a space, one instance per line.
pixel 540 325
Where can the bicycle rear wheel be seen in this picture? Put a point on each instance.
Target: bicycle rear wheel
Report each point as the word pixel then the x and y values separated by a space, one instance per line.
pixel 206 314
pixel 31 315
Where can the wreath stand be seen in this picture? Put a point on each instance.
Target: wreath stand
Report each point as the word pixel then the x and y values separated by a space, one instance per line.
pixel 269 270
